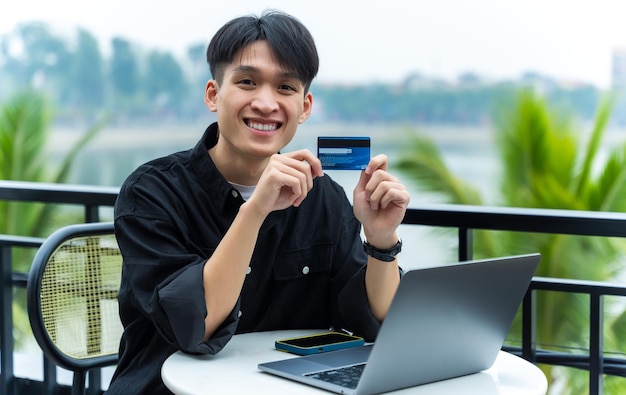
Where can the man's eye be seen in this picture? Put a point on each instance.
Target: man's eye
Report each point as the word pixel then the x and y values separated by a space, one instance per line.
pixel 246 82
pixel 286 87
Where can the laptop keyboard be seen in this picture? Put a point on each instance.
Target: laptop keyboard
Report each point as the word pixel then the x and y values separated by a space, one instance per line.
pixel 347 376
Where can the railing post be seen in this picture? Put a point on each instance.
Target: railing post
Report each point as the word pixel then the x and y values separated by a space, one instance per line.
pixel 92 213
pixel 596 344
pixel 6 334
pixel 94 378
pixel 50 384
pixel 528 326
pixel 466 248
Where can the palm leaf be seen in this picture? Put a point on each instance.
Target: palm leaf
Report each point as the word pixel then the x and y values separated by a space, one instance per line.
pixel 609 192
pixel 85 138
pixel 547 191
pixel 424 164
pixel 64 169
pixel 24 131
pixel 601 120
pixel 534 140
pixel 23 122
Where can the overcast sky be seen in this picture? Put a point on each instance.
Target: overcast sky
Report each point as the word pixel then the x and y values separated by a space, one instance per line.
pixel 376 40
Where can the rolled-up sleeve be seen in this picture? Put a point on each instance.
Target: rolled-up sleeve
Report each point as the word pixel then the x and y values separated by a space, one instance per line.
pixel 164 284
pixel 182 302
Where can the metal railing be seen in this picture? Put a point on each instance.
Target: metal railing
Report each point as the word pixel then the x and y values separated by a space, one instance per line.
pixel 92 199
pixel 567 222
pixel 465 219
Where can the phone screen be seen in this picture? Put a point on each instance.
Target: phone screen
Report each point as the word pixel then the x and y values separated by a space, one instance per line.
pixel 319 340
pixel 313 344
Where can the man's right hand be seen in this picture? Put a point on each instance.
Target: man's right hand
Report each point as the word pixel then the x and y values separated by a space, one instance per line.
pixel 286 181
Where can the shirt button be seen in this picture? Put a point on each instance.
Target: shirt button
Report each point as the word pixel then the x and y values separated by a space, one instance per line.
pixel 249 270
pixel 239 314
pixel 234 193
pixel 305 270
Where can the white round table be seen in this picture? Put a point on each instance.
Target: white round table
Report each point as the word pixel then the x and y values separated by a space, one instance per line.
pixel 234 370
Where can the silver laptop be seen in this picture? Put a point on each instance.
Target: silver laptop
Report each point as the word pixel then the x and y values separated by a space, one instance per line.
pixel 444 322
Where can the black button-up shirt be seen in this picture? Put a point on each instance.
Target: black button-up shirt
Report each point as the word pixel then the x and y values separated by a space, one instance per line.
pixel 307 269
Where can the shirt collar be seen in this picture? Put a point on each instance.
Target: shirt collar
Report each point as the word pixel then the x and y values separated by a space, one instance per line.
pixel 219 190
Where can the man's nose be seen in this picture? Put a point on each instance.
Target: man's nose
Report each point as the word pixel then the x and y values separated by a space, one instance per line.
pixel 265 100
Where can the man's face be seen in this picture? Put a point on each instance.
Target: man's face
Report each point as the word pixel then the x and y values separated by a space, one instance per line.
pixel 259 104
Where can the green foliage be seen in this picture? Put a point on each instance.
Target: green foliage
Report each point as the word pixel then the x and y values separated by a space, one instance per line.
pixel 124 68
pixel 42 53
pixel 529 138
pixel 71 71
pixel 432 103
pixel 545 164
pixel 169 86
pixel 24 133
pixel 87 73
pixel 426 167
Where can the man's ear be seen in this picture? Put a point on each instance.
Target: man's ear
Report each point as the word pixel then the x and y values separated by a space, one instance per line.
pixel 308 105
pixel 210 95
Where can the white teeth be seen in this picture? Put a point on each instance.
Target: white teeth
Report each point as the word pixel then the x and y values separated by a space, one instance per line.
pixel 266 127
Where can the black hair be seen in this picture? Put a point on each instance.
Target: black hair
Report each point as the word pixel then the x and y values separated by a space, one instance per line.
pixel 289 40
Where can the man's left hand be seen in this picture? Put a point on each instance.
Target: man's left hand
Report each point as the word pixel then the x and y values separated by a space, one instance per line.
pixel 380 202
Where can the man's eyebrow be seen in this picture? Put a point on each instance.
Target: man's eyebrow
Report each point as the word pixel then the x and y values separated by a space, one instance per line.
pixel 245 69
pixel 251 69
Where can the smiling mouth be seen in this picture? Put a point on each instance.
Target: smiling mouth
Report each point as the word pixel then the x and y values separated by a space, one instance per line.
pixel 263 127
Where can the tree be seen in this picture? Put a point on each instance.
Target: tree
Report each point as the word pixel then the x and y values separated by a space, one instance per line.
pixel 165 81
pixel 545 165
pixel 196 54
pixel 34 57
pixel 124 69
pixel 86 80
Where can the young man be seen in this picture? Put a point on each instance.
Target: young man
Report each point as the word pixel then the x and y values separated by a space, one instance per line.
pixel 233 236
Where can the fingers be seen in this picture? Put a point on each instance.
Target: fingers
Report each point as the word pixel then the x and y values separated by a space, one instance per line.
pixel 312 161
pixel 303 166
pixel 303 161
pixel 287 179
pixel 376 163
pixel 384 189
pixel 294 175
pixel 381 188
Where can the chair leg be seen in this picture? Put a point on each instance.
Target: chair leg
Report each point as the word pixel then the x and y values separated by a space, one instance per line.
pixel 94 382
pixel 78 385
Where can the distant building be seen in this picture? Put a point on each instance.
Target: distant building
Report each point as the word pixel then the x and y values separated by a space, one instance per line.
pixel 618 69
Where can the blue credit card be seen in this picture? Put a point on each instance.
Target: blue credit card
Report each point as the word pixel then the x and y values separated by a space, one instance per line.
pixel 343 153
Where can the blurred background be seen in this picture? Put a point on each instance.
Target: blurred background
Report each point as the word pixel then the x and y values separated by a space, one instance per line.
pixel 136 71
pixel 100 87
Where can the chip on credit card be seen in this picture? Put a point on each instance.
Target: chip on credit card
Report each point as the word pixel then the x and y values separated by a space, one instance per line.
pixel 343 153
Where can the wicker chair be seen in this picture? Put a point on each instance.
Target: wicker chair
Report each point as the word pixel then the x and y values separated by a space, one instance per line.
pixel 72 300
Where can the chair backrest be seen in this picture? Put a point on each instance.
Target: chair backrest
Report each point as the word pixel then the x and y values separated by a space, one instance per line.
pixel 72 297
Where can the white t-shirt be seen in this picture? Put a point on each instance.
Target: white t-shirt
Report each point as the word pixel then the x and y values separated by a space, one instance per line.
pixel 244 190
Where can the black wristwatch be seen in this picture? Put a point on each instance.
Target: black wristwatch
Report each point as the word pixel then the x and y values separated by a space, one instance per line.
pixel 386 255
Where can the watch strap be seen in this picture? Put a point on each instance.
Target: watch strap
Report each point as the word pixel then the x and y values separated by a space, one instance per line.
pixel 385 255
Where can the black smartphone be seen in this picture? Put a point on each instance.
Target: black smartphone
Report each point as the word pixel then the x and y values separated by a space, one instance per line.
pixel 318 343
